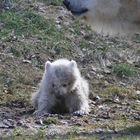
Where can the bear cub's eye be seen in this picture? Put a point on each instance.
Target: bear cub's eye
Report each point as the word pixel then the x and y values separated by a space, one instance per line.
pixel 64 85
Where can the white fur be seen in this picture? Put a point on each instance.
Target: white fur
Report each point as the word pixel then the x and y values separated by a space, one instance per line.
pixel 62 87
pixel 111 16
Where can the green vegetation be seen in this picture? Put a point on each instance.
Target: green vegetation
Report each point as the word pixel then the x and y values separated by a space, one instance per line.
pixel 112 90
pixel 133 129
pixel 50 120
pixel 122 70
pixel 126 138
pixel 35 31
pixel 24 23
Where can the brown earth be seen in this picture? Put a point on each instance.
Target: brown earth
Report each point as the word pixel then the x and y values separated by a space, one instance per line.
pixel 114 99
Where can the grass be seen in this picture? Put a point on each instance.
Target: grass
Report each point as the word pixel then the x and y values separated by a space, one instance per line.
pixel 28 35
pixel 126 138
pixel 133 129
pixel 40 133
pixel 123 70
pixel 22 134
pixel 50 120
pixel 53 2
pixel 25 23
pixel 112 90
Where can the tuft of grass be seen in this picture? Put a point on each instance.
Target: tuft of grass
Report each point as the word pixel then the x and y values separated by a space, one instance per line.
pixel 50 120
pixel 123 70
pixel 133 129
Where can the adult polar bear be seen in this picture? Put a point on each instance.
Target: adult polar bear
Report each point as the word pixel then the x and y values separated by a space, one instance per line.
pixel 108 16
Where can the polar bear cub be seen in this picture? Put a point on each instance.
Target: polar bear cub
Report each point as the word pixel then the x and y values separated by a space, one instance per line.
pixel 62 90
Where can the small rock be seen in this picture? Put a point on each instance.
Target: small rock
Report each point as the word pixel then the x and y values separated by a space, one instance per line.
pixel 2 125
pixel 138 101
pixel 130 61
pixel 63 122
pixel 108 63
pixel 23 123
pixel 101 106
pixel 117 100
pixel 121 83
pixel 99 130
pixel 94 69
pixel 83 33
pixel 100 76
pixel 138 92
pixel 107 71
pixel 88 76
pixel 57 21
pixel 26 61
pixel 9 123
pixel 96 98
pixel 93 72
pixel 58 26
pixel 39 121
pixel 51 126
pixel 111 131
pixel 106 83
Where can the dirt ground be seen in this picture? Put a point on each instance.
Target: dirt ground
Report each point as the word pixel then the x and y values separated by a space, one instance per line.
pixel 110 64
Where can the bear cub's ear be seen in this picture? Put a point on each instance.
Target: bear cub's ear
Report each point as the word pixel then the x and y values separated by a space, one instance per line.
pixel 47 65
pixel 73 64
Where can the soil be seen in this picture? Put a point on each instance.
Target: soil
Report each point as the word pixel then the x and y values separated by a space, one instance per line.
pixel 114 99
